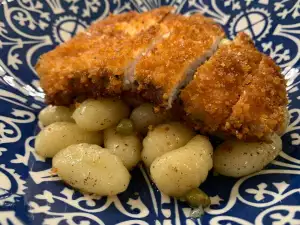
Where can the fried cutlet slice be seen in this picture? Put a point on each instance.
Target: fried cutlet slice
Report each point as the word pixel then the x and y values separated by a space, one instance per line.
pixel 261 109
pixel 238 91
pixel 93 63
pixel 171 63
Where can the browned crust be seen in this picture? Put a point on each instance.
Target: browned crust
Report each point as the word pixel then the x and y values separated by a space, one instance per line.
pixel 260 110
pixel 95 60
pixel 238 91
pixel 217 84
pixel 163 67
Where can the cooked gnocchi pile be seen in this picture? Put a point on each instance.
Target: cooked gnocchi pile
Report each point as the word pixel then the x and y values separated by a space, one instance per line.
pixel 96 144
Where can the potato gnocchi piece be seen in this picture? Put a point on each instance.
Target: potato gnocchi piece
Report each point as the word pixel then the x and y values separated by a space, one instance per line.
pixel 91 169
pixel 95 115
pixel 60 135
pixel 179 171
pixel 235 158
pixel 164 138
pixel 126 147
pixel 52 114
pixel 143 116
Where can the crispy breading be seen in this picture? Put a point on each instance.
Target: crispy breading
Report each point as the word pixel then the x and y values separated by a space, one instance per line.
pixel 260 110
pixel 165 67
pixel 238 91
pixel 92 64
pixel 217 84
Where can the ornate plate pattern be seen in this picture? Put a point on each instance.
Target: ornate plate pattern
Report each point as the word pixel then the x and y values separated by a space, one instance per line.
pixel 29 194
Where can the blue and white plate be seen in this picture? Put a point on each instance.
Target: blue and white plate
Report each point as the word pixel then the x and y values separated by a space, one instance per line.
pixel 29 194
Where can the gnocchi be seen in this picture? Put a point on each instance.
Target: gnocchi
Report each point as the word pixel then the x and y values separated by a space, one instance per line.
pixel 60 135
pixel 95 115
pixel 91 169
pixel 143 116
pixel 178 160
pixel 235 158
pixel 126 147
pixel 52 114
pixel 164 138
pixel 179 171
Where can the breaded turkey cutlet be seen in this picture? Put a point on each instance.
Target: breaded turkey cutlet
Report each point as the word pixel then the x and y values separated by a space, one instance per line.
pixel 224 88
pixel 93 63
pixel 238 91
pixel 171 63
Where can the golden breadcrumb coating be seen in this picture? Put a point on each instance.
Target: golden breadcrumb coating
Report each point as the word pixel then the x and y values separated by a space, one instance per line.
pixel 239 91
pixel 92 64
pixel 261 108
pixel 217 84
pixel 160 71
